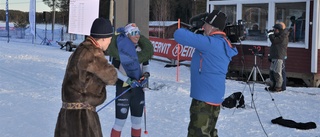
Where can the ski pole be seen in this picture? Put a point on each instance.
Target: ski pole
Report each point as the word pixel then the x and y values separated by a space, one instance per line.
pixel 145 112
pixel 143 82
pixel 145 119
pixel 114 99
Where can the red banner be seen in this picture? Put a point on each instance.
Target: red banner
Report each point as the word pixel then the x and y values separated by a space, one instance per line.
pixel 169 49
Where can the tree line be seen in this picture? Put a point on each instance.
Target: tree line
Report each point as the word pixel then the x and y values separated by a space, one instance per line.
pixel 172 10
pixel 21 19
pixel 160 10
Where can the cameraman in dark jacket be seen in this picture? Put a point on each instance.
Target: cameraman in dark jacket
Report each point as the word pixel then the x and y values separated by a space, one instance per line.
pixel 278 52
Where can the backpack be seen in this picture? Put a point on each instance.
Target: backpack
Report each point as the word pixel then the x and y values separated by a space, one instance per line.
pixel 236 99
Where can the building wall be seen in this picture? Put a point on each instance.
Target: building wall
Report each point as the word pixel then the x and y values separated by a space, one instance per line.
pixel 157 31
pixel 139 13
pixel 298 63
pixel 132 11
pixel 121 13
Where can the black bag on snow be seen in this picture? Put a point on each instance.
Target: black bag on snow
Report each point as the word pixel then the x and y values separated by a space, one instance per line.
pixel 236 99
pixel 293 124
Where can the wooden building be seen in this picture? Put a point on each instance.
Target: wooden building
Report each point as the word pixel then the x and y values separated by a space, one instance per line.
pixel 164 29
pixel 259 16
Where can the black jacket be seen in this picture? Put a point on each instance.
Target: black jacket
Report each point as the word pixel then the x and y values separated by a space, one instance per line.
pixel 279 44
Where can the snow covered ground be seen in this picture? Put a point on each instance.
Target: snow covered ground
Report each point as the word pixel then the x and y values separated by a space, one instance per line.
pixel 31 76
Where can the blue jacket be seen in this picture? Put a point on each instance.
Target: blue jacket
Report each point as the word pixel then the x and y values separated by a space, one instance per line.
pixel 208 77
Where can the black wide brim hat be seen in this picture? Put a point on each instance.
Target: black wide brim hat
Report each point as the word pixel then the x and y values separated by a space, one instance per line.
pixel 216 19
pixel 101 28
pixel 278 26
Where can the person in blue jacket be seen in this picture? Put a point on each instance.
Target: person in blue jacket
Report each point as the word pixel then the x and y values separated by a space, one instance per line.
pixel 209 66
pixel 130 52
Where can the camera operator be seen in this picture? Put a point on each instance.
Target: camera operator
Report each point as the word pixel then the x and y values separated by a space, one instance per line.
pixel 209 65
pixel 279 38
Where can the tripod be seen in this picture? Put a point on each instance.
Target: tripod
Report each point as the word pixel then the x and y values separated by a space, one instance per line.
pixel 254 70
pixel 45 40
pixel 253 73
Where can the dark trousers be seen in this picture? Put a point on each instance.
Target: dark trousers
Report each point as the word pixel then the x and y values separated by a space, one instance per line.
pixel 133 100
pixel 284 77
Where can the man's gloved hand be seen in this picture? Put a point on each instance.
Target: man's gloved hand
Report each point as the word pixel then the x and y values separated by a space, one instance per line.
pixel 146 74
pixel 270 33
pixel 133 83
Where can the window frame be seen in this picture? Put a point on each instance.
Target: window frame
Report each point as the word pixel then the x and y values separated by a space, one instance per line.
pixel 271 17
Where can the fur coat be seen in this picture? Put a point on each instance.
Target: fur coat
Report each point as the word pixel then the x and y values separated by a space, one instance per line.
pixel 87 74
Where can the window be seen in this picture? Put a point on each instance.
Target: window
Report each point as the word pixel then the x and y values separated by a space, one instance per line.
pixel 259 16
pixel 255 19
pixel 293 15
pixel 230 11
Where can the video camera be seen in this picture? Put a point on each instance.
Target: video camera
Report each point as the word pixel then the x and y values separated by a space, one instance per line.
pixel 197 23
pixel 268 31
pixel 235 33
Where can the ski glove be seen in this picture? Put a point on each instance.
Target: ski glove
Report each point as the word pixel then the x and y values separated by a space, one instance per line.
pixel 133 83
pixel 146 74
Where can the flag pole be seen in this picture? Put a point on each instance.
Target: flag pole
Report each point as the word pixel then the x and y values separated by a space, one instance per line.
pixel 32 19
pixel 178 55
pixel 35 13
pixel 7 19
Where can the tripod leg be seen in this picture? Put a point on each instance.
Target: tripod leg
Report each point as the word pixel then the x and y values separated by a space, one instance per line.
pixel 252 70
pixel 42 42
pixel 260 73
pixel 251 88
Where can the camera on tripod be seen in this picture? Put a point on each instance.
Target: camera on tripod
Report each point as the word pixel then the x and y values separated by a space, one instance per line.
pixel 256 51
pixel 235 32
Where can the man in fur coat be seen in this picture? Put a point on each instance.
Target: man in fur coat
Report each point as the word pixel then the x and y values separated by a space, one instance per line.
pixel 83 87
